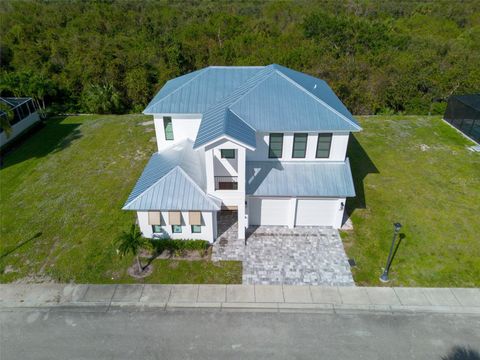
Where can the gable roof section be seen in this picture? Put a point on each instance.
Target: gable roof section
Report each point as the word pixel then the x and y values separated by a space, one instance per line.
pixel 319 179
pixel 173 180
pixel 197 91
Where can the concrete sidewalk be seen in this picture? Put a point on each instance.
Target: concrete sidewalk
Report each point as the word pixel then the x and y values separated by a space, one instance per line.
pixel 242 297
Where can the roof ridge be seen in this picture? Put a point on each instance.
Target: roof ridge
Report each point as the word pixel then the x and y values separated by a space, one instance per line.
pixel 272 71
pixel 241 119
pixel 288 78
pixel 197 186
pixel 237 66
pixel 148 188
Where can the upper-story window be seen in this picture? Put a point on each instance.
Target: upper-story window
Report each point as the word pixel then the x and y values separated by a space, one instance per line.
pixel 299 146
pixel 167 125
pixel 323 146
pixel 275 146
pixel 227 153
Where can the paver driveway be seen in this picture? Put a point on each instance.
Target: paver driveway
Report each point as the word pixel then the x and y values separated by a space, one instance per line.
pixel 278 255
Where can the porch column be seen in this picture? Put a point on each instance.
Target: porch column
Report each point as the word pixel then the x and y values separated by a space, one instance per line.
pixel 292 213
pixel 241 221
pixel 241 170
pixel 209 171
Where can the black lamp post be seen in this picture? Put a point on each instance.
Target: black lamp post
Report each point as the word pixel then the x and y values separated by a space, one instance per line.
pixel 384 277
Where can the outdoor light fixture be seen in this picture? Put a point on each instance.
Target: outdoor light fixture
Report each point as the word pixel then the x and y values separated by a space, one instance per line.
pixel 384 278
pixel 342 206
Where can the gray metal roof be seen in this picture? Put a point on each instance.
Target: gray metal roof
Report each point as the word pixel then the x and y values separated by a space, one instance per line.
pixel 322 179
pixel 173 180
pixel 197 91
pixel 249 99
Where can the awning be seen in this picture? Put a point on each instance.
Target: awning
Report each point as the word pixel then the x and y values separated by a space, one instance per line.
pixel 175 218
pixel 154 218
pixel 195 218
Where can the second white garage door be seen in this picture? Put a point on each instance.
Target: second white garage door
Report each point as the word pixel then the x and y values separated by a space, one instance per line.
pixel 268 211
pixel 320 212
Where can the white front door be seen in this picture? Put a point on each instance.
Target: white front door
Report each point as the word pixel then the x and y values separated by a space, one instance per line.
pixel 268 211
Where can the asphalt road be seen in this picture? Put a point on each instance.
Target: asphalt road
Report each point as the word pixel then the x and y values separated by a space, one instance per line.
pixel 199 334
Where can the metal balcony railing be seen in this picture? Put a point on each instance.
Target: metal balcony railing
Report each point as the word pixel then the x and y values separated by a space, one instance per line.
pixel 226 183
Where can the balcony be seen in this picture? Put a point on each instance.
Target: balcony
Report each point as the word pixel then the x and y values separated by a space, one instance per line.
pixel 226 183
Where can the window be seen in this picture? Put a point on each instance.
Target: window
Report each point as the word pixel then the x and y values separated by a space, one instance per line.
pixel 196 229
pixel 275 146
pixel 167 125
pixel 227 153
pixel 323 145
pixel 177 229
pixel 299 145
pixel 156 229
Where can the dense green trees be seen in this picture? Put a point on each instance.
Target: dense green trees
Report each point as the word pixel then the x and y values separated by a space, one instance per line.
pixel 112 56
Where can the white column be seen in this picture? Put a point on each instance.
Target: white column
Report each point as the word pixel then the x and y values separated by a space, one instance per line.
pixel 241 189
pixel 241 170
pixel 241 221
pixel 293 213
pixel 209 171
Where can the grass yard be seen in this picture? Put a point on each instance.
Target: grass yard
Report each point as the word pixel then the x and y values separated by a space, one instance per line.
pixel 418 171
pixel 61 196
pixel 62 191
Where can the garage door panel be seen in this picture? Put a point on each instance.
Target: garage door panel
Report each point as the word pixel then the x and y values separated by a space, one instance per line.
pixel 264 211
pixel 319 212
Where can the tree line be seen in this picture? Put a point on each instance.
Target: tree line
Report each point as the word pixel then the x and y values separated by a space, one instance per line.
pixel 113 56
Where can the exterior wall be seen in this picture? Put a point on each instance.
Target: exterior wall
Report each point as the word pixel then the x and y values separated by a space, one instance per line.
pixel 209 226
pixel 216 166
pixel 338 148
pixel 295 211
pixel 184 127
pixel 19 127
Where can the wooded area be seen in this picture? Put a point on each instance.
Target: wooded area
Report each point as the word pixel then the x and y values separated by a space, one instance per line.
pixel 112 56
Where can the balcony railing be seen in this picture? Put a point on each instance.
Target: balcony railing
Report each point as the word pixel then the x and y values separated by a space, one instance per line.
pixel 226 183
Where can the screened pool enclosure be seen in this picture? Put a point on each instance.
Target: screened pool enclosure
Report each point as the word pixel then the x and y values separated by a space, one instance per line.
pixel 21 114
pixel 463 112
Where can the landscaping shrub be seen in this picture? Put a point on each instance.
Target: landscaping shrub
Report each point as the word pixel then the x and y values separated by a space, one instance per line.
pixel 179 246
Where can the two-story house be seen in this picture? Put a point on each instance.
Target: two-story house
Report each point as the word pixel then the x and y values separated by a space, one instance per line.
pixel 266 141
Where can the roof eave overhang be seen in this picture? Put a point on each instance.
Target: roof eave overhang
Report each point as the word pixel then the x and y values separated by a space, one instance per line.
pixel 224 137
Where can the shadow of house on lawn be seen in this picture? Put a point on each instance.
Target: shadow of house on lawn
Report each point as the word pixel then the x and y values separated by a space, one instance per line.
pixel 361 165
pixel 53 136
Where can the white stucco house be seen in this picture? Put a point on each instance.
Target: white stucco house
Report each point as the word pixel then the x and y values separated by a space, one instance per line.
pixel 267 142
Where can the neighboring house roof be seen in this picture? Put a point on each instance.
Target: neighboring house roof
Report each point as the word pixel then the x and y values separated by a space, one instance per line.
pixel 173 180
pixel 319 179
pixel 249 99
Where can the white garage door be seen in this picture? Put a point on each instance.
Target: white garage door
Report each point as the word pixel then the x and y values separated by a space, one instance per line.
pixel 265 211
pixel 316 212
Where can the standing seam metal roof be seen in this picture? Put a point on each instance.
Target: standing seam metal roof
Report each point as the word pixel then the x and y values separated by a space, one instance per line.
pixel 295 178
pixel 173 180
pixel 237 101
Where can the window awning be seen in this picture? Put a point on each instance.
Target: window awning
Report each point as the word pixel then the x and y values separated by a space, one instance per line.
pixel 175 218
pixel 195 218
pixel 154 218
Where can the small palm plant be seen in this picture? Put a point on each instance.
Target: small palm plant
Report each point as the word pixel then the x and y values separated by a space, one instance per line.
pixel 131 242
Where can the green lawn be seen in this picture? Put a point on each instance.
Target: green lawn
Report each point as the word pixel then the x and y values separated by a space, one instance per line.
pixel 61 194
pixel 418 171
pixel 62 191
